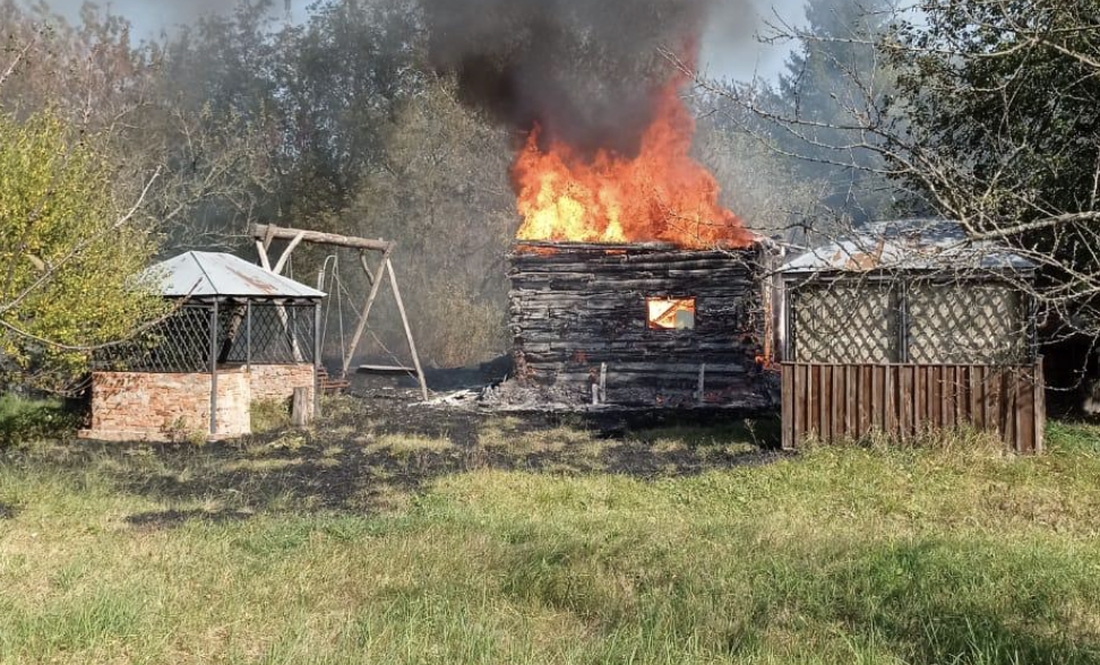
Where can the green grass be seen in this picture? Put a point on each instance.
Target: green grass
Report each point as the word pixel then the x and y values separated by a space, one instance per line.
pixel 270 415
pixel 955 554
pixel 26 418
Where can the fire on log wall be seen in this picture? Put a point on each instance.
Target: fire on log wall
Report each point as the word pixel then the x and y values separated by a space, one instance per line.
pixel 577 309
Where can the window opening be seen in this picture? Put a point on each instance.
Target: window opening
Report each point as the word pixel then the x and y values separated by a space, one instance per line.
pixel 671 313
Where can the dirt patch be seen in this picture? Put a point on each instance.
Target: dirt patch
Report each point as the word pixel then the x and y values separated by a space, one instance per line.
pixel 369 455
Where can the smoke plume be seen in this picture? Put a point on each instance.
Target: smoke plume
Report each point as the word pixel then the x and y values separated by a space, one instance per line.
pixel 585 71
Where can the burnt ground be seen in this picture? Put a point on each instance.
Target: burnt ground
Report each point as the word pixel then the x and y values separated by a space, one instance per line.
pixel 376 454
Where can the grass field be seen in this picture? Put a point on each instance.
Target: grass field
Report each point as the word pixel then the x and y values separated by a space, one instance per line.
pixel 549 545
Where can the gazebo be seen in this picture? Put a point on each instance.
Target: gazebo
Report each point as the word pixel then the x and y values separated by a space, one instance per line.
pixel 905 326
pixel 238 334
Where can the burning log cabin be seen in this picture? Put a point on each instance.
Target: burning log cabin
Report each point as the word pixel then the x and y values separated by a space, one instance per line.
pixel 631 283
pixel 640 324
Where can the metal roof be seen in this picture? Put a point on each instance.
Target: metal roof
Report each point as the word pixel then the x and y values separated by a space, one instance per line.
pixel 910 244
pixel 209 274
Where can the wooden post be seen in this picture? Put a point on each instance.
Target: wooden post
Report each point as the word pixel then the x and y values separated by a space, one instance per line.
pixel 281 264
pixel 261 250
pixel 603 383
pixel 361 327
pixel 301 412
pixel 269 233
pixel 408 329
pixel 317 351
pixel 700 396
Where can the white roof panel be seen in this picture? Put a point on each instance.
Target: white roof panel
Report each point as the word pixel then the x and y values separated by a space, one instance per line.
pixel 208 274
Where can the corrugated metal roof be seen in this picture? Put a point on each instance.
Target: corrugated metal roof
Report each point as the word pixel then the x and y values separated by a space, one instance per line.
pixel 207 274
pixel 912 244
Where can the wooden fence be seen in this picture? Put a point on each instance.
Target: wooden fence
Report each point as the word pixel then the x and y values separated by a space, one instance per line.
pixel 831 402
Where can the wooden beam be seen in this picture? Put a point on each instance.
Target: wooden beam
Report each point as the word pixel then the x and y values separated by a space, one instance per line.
pixel 408 329
pixel 281 265
pixel 265 231
pixel 261 249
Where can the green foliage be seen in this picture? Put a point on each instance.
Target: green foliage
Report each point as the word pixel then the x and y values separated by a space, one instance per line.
pixel 24 420
pixel 1001 119
pixel 270 415
pixel 68 254
pixel 1007 91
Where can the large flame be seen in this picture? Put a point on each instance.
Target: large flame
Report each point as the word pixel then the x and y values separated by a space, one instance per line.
pixel 662 194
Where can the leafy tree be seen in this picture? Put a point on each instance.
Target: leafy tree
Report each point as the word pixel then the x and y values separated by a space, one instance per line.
pixel 68 253
pixel 1002 131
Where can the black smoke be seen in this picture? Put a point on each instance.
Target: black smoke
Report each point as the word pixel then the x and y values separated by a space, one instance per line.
pixel 584 70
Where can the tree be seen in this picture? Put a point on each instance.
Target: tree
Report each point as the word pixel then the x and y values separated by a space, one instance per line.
pixel 992 122
pixel 835 74
pixel 440 191
pixel 141 103
pixel 69 255
pixel 1002 132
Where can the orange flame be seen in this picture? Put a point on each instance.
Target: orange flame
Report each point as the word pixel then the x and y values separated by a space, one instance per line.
pixel 662 194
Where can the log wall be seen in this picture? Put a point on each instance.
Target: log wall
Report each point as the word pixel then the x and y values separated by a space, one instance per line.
pixel 578 310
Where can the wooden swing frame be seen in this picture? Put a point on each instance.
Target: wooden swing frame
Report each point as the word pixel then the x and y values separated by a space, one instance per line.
pixel 265 234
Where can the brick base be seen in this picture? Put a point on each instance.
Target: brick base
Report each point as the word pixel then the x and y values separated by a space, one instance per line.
pixel 133 406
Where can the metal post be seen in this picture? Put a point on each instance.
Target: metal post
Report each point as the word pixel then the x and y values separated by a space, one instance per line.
pixel 248 335
pixel 214 369
pixel 317 359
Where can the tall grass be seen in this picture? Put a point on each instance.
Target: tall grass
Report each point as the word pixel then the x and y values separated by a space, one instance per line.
pixel 841 555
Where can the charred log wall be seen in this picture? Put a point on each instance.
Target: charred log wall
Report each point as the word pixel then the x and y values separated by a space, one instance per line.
pixel 575 307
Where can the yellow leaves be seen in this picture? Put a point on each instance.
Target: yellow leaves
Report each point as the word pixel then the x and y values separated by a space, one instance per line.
pixel 66 267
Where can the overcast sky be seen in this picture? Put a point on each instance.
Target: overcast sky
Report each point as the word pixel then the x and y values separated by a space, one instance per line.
pixel 729 49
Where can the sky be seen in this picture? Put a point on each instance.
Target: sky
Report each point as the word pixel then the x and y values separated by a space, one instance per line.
pixel 729 49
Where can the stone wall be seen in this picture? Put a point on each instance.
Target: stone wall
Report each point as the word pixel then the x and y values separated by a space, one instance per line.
pixel 131 406
pixel 277 382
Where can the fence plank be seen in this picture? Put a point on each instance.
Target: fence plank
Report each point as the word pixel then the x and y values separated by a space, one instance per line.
pixel 801 401
pixel 848 401
pixel 787 409
pixel 1040 407
pixel 947 397
pixel 891 389
pixel 836 413
pixel 813 410
pixel 906 398
pixel 977 391
pixel 851 405
pixel 1025 411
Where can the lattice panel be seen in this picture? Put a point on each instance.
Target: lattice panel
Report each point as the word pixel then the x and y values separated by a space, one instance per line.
pixel 966 324
pixel 181 343
pixel 859 321
pixel 845 323
pixel 280 334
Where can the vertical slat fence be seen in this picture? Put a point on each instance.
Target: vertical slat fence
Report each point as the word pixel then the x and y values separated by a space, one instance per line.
pixel 832 402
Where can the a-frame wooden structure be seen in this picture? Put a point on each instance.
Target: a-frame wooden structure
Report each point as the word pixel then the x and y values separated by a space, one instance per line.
pixel 264 235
